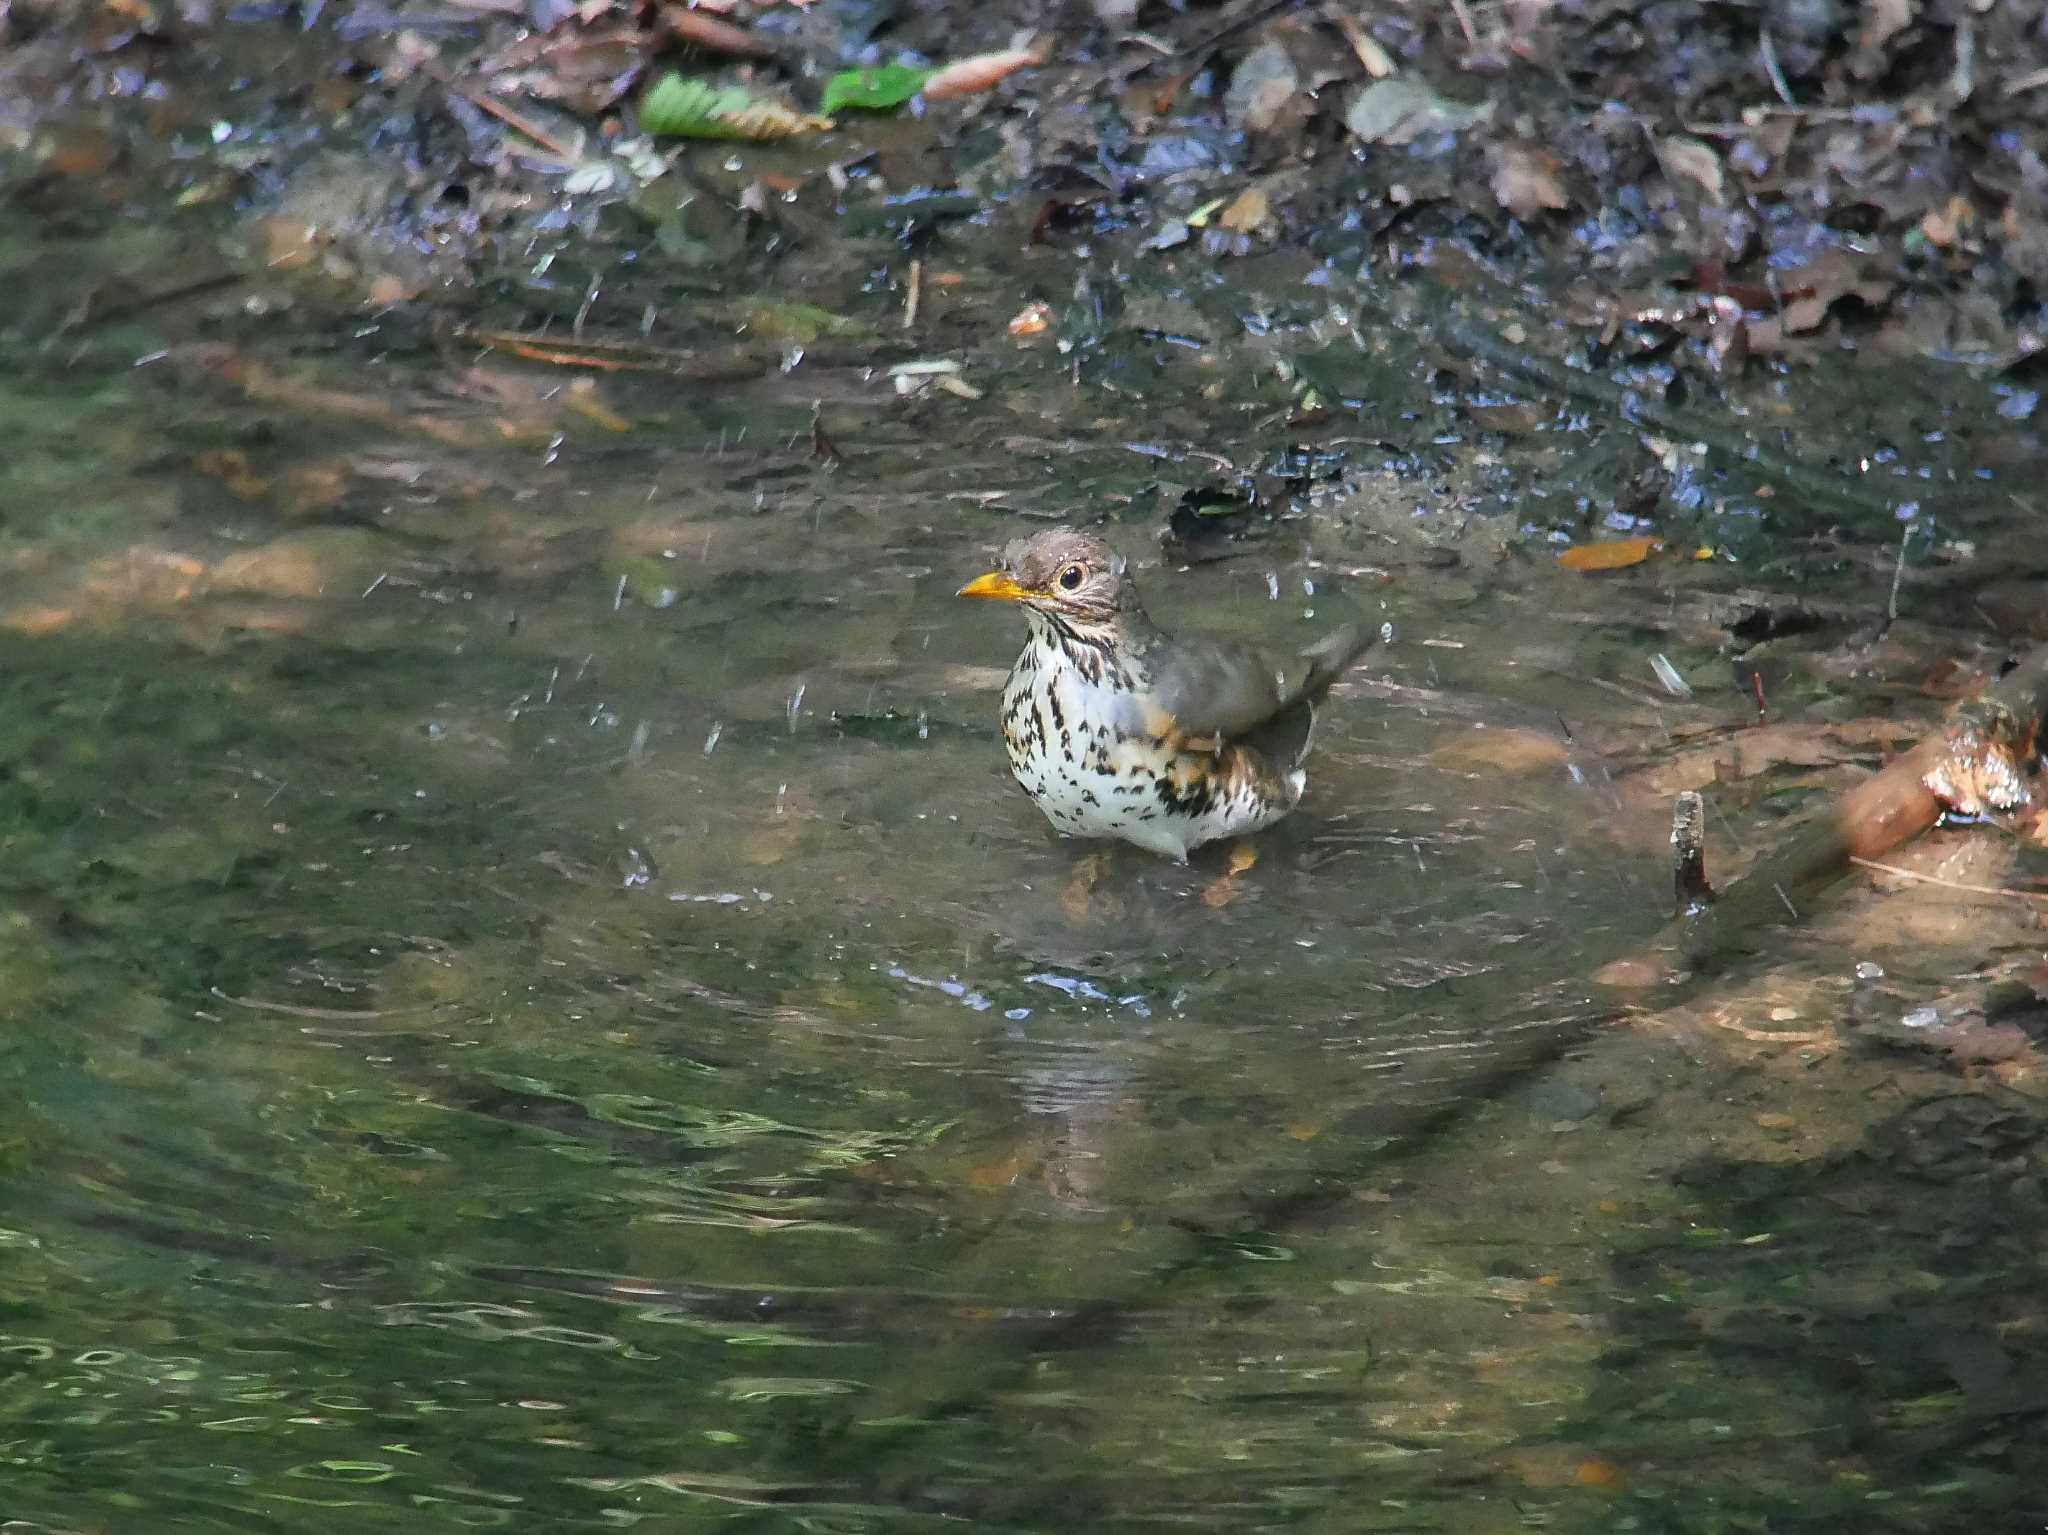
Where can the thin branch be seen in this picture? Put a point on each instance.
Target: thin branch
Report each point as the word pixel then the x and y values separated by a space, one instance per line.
pixel 485 102
pixel 1948 884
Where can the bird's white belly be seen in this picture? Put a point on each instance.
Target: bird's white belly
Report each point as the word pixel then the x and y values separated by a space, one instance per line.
pixel 1092 779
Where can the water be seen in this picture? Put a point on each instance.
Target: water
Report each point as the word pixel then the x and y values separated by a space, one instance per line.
pixel 532 1003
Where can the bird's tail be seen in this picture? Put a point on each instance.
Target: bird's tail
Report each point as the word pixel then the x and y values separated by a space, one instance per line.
pixel 1286 737
pixel 1334 654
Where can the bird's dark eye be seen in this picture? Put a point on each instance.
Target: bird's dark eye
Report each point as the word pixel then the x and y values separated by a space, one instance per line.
pixel 1072 577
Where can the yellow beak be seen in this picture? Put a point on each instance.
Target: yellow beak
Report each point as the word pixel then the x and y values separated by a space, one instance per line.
pixel 995 584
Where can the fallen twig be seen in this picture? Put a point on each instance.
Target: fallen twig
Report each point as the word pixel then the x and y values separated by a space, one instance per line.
pixel 1949 884
pixel 483 101
pixel 915 296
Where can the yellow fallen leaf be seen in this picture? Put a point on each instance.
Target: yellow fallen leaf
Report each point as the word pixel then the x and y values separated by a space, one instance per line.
pixel 1616 555
pixel 289 243
pixel 1600 1473
pixel 1248 213
pixel 999 1174
pixel 1513 751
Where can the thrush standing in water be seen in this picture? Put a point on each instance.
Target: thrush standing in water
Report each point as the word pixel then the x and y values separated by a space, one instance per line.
pixel 1116 729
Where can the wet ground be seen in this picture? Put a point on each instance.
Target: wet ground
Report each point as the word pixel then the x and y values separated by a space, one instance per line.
pixel 532 1001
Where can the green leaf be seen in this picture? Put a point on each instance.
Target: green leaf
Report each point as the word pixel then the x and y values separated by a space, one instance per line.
pixel 695 109
pixel 881 89
pixel 689 109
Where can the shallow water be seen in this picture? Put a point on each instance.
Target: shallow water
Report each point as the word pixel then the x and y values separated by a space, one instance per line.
pixel 539 1007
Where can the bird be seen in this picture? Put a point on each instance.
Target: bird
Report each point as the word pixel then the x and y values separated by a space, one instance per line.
pixel 1116 729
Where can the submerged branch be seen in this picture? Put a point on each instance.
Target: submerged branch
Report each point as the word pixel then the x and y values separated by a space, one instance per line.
pixel 1478 340
pixel 1964 767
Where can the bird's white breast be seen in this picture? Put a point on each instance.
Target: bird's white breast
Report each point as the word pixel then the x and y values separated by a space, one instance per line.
pixel 1093 778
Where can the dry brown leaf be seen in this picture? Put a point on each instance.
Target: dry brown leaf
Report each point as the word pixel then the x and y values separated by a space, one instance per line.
pixel 231 467
pixel 1514 752
pixel 963 77
pixel 586 69
pixel 1031 320
pixel 766 120
pixel 311 488
pixel 1882 21
pixel 1770 748
pixel 81 152
pixel 1001 1173
pixel 300 566
pixel 289 243
pixel 1764 335
pixel 1600 1474
pixel 1261 87
pixel 1249 212
pixel 141 577
pixel 1525 181
pixel 1518 419
pixel 1696 162
pixel 388 288
pixel 1399 110
pixel 1618 554
pixel 1942 227
pixel 1076 896
pixel 713 35
pixel 1828 279
pixel 34 621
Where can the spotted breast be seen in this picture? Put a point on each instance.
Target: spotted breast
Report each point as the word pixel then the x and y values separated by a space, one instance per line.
pixel 1115 729
pixel 1078 749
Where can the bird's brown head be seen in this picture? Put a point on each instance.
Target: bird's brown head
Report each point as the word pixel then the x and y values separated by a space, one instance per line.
pixel 1062 573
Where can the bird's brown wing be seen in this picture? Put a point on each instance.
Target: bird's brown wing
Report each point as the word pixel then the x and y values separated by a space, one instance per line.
pixel 1204 690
